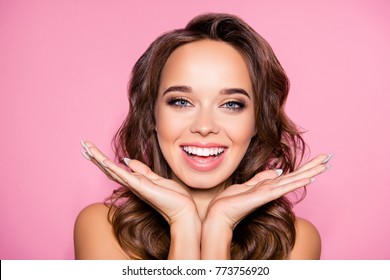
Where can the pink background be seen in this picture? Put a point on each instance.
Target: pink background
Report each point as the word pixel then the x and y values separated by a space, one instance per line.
pixel 64 67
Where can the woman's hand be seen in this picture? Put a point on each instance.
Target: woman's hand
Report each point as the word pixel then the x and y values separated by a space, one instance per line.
pixel 170 199
pixel 166 196
pixel 237 201
pixel 230 206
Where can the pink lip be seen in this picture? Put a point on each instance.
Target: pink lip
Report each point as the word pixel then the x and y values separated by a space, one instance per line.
pixel 203 164
pixel 204 145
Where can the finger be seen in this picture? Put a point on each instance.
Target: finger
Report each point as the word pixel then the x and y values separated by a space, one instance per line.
pixel 318 160
pixel 264 175
pixel 133 180
pixel 111 175
pixel 92 153
pixel 305 174
pixel 103 167
pixel 245 188
pixel 265 194
pixel 91 149
pixel 159 197
pixel 280 190
pixel 271 192
pixel 141 168
pixel 138 184
pixel 86 145
pixel 96 156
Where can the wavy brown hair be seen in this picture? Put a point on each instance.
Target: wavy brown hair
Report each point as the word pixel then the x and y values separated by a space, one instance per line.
pixel 268 232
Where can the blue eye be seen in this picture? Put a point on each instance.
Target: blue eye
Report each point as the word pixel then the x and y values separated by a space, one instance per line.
pixel 179 102
pixel 233 105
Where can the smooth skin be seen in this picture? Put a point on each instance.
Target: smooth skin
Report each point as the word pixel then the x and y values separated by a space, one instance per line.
pixel 94 237
pixel 205 96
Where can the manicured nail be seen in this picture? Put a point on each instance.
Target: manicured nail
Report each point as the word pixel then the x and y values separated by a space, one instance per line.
pixel 279 172
pixel 326 169
pixel 102 162
pixel 127 161
pixel 85 155
pixel 86 148
pixel 327 158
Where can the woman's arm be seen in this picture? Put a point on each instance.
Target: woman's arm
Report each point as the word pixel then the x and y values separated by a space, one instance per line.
pixel 234 203
pixel 307 242
pixel 185 239
pixel 216 240
pixel 166 196
pixel 94 237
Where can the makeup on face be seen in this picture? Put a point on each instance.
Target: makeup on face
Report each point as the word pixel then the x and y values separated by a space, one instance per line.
pixel 204 112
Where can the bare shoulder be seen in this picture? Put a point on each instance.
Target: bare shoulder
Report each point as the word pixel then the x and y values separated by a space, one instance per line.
pixel 93 235
pixel 307 242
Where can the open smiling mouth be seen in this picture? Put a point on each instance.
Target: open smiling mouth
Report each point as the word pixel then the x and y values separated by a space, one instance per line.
pixel 205 153
pixel 204 159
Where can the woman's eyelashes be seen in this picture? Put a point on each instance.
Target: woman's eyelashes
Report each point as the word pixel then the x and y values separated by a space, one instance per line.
pixel 234 105
pixel 179 102
pixel 231 105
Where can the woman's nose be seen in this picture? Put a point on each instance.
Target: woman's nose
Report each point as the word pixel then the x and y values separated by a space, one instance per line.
pixel 204 123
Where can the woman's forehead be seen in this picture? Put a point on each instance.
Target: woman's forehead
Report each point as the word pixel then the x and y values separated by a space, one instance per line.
pixel 206 62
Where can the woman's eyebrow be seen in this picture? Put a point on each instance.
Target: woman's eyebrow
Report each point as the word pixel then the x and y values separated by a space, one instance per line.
pixel 185 89
pixel 235 90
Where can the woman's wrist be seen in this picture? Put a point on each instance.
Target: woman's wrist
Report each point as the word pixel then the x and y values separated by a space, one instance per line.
pixel 216 239
pixel 185 239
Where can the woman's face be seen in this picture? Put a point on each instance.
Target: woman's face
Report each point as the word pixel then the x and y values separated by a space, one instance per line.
pixel 204 112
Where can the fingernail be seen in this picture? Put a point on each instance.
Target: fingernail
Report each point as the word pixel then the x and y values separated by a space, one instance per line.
pixel 86 148
pixel 279 172
pixel 327 158
pixel 103 162
pixel 85 155
pixel 312 180
pixel 126 160
pixel 326 169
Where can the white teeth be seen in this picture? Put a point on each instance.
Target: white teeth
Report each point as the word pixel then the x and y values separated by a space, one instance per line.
pixel 205 152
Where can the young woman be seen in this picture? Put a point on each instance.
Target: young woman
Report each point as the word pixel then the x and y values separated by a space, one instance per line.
pixel 207 155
